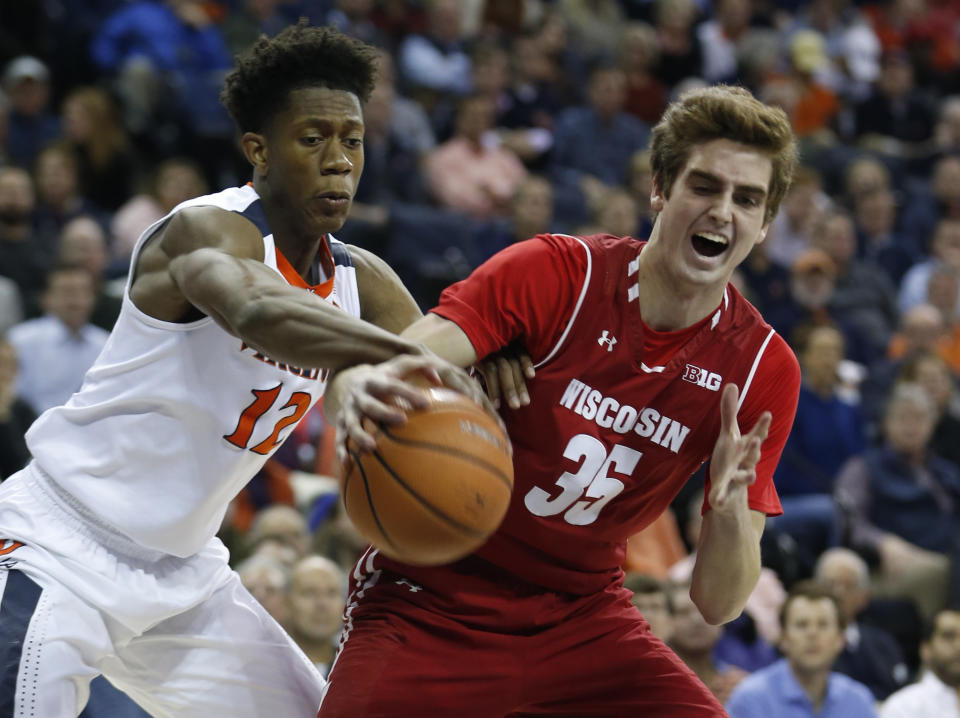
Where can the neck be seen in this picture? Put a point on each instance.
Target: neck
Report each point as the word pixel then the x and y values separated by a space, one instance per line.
pixel 814 684
pixel 667 303
pixel 822 388
pixel 299 248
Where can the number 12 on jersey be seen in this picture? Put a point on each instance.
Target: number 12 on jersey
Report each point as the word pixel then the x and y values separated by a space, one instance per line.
pixel 592 481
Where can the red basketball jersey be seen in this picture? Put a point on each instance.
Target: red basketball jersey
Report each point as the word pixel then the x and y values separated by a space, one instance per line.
pixel 620 415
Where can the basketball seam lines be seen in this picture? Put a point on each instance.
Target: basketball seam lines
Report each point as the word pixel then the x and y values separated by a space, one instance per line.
pixel 433 509
pixel 366 486
pixel 469 458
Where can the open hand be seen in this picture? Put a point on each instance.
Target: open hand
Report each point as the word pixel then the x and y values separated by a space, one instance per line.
pixel 505 374
pixel 734 461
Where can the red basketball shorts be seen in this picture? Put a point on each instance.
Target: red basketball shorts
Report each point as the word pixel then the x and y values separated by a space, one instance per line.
pixel 485 650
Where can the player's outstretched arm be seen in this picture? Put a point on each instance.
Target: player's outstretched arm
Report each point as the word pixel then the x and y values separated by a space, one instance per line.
pixel 728 552
pixel 210 261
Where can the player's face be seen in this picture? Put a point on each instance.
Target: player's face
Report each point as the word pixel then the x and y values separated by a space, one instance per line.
pixel 811 639
pixel 313 157
pixel 715 213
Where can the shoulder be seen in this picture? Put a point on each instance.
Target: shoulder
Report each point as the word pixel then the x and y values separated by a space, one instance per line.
pixel 365 261
pixel 29 331
pixel 199 226
pixel 753 691
pixel 904 702
pixel 851 688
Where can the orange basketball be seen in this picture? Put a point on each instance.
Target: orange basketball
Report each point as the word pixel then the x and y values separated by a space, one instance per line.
pixel 436 487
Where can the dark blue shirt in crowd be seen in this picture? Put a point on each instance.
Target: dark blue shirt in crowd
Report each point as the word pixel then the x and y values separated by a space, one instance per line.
pixel 584 143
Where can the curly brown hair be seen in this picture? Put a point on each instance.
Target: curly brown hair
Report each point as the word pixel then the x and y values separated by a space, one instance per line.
pixel 300 56
pixel 724 112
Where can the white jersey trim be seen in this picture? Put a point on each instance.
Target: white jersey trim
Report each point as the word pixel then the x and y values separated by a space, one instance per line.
pixel 576 309
pixel 753 369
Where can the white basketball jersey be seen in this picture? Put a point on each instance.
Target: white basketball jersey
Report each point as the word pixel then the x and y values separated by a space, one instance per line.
pixel 174 419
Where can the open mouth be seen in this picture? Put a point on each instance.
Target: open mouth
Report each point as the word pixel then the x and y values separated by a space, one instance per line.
pixel 708 244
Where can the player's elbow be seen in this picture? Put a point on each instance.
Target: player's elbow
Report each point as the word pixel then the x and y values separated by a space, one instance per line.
pixel 716 610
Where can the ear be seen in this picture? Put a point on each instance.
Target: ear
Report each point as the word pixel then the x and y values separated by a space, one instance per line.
pixel 255 150
pixel 656 196
pixel 763 233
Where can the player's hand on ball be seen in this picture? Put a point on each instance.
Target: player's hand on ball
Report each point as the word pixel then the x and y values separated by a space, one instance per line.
pixel 735 456
pixel 505 375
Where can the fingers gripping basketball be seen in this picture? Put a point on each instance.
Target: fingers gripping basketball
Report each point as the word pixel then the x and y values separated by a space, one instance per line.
pixel 436 487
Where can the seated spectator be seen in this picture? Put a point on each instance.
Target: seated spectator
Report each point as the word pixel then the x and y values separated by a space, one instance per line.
pixel 937 694
pixel 864 174
pixel 652 599
pixel 719 36
pixel 646 95
pixel 655 549
pixel 536 95
pixel 902 501
pixel 318 592
pixel 531 213
pixel 790 229
pixel 863 294
pixel 827 431
pixel 593 144
pixel 768 282
pixel 880 241
pixel 56 350
pixel 59 194
pixel 83 243
pixel 282 523
pixel 23 254
pixel 801 684
pixel 174 181
pixel 250 19
pixel 934 374
pixel 681 52
pixel 929 205
pixel 944 250
pixel 269 582
pixel 16 416
pixel 946 134
pixel 472 173
pixel 694 641
pixel 640 184
pixel 436 62
pixel 107 163
pixel 11 305
pixel 31 125
pixel 615 212
pixel 596 26
pixel 896 114
pixel 870 654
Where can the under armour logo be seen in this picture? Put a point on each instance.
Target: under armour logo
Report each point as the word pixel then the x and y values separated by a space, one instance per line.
pixel 412 586
pixel 608 340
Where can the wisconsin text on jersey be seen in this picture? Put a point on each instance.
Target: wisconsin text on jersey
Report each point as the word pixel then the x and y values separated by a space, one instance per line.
pixel 609 413
pixel 313 374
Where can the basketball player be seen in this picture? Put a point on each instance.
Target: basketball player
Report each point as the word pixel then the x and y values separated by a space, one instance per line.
pixel 238 305
pixel 648 363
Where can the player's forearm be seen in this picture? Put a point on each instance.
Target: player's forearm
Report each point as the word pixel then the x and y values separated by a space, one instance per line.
pixel 728 563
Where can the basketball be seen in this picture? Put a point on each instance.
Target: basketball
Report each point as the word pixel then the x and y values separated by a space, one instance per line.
pixel 436 487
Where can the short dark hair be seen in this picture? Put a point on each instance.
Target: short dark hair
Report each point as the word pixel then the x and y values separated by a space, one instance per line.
pixel 812 591
pixel 930 625
pixel 300 56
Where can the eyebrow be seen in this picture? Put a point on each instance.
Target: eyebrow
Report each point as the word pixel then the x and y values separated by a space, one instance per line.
pixel 710 177
pixel 349 124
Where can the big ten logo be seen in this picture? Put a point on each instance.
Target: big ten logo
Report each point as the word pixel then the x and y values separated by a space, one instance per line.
pixel 702 377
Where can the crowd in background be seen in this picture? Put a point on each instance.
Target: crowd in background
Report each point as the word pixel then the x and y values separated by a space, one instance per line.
pixel 495 120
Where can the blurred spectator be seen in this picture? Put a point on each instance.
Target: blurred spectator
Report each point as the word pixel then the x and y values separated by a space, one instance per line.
pixel 936 695
pixel 22 255
pixel 490 77
pixel 471 172
pixel 652 599
pixel 269 582
pixel 864 174
pixel 870 655
pixel 932 372
pixel 338 539
pixel 719 37
pixel 15 415
pixel 896 113
pixel 827 431
pixel 876 217
pixel 863 295
pixel 353 17
pixel 801 685
pixel 615 212
pixel 768 282
pixel 56 350
pixel 59 194
pixel 902 501
pixel 656 548
pixel 31 125
pixel 944 250
pixel 596 27
pixel 83 243
pixel 646 95
pixel 681 54
pixel 811 104
pixel 107 163
pixel 531 213
pixel 162 53
pixel 249 19
pixel 694 640
pixel 536 94
pixel 436 62
pixel 281 523
pixel 318 590
pixel 927 207
pixel 11 305
pixel 946 134
pixel 593 144
pixel 804 202
pixel 174 181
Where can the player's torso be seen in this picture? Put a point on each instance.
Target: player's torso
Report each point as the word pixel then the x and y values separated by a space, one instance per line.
pixel 173 419
pixel 609 439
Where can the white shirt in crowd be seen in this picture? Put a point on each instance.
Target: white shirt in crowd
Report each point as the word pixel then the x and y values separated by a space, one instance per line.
pixel 928 698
